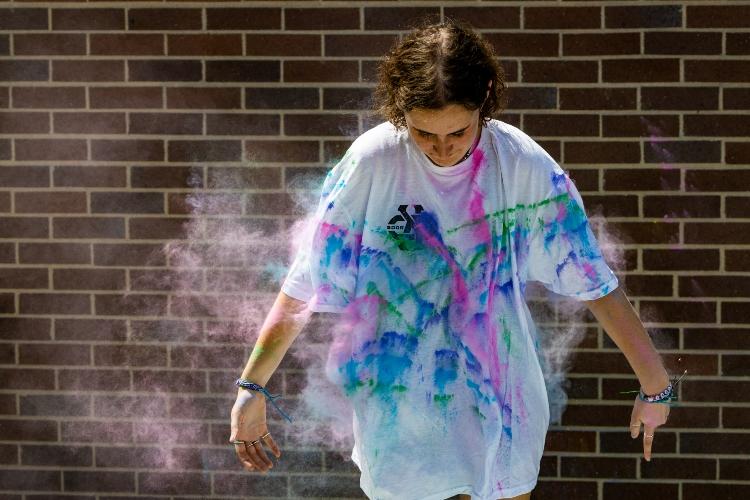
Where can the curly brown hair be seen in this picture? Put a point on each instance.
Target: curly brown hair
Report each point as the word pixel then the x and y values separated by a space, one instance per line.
pixel 436 65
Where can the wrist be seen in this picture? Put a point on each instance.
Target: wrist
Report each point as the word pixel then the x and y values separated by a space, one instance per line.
pixel 656 384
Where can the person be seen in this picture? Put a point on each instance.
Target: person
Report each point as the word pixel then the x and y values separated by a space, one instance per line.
pixel 425 235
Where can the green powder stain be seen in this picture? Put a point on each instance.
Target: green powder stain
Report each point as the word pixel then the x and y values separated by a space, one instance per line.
pixel 442 399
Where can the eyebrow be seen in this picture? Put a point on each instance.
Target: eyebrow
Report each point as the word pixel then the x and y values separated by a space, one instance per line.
pixel 449 133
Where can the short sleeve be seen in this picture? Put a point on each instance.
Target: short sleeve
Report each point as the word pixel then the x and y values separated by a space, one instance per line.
pixel 323 272
pixel 564 254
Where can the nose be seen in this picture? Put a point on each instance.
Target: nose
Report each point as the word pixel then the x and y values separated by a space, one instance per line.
pixel 442 148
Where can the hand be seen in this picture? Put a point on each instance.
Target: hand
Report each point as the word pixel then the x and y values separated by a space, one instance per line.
pixel 651 415
pixel 249 424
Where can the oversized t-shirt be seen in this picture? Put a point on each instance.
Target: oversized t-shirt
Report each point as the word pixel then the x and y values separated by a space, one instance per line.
pixel 428 265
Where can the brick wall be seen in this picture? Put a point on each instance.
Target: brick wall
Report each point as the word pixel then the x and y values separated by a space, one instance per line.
pixel 129 130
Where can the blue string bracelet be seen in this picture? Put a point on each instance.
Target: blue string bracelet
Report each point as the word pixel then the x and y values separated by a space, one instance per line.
pixel 664 397
pixel 246 384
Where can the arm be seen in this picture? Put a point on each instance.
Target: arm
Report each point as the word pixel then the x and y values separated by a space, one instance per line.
pixel 284 322
pixel 621 322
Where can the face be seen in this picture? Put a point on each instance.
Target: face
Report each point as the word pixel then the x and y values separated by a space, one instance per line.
pixel 445 134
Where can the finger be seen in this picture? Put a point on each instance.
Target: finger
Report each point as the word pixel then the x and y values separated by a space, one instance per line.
pixel 648 439
pixel 263 464
pixel 244 456
pixel 262 453
pixel 272 444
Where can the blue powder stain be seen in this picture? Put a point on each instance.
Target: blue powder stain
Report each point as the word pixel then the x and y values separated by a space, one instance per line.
pixel 334 243
pixel 330 205
pixel 394 355
pixel 446 365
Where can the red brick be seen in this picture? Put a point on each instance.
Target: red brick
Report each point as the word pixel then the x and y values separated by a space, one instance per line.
pixel 282 151
pixel 49 97
pixel 166 123
pixel 356 45
pixel 208 45
pixel 621 442
pixel 164 19
pixel 714 286
pixel 717 233
pixel 88 176
pixel 27 378
pixel 650 16
pixel 87 431
pixel 20 277
pixel 42 480
pixel 738 44
pixel 56 455
pixel 641 180
pixel 722 338
pixel 49 44
pixel 88 227
pixel 24 227
pixel 609 467
pixel 54 253
pixel 670 42
pixel 735 312
pixel 88 279
pixel 686 311
pixel 4 97
pixel 158 228
pixel 215 204
pixel 23 19
pixel 24 123
pixel 321 19
pixel 589 44
pixel 129 202
pixel 642 491
pixel 567 440
pixel 153 177
pixel 716 180
pixel 54 303
pixel 127 150
pixel 126 97
pixel 167 331
pixel 130 305
pixel 679 468
pixel 24 70
pixel 56 405
pixel 640 126
pixel 677 98
pixel 538 125
pixel 51 202
pixel 205 357
pixel 244 177
pixel 680 259
pixel 116 406
pixel 282 45
pixel 112 44
pixel 54 354
pixel 9 456
pixel 718 16
pixel 242 71
pixel 169 381
pixel 204 98
pixel 175 70
pixel 128 254
pixel 737 206
pixel 94 380
pixel 242 124
pixel 90 329
pixel 524 44
pixel 28 430
pixel 89 123
pixel 129 355
pixel 489 17
pixel 25 328
pixel 736 260
pixel 89 70
pixel 560 71
pixel 598 99
pixel 717 70
pixel 641 70
pixel 204 150
pixel 243 18
pixel 602 152
pixel 104 481
pixel 281 98
pixel 581 490
pixel 712 442
pixel 737 152
pixel 50 149
pixel 321 71
pixel 681 206
pixel 562 18
pixel 736 98
pixel 132 458
pixel 734 469
pixel 25 176
pixel 88 19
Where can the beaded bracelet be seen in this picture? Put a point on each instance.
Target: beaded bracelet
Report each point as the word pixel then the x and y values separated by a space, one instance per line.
pixel 246 384
pixel 665 397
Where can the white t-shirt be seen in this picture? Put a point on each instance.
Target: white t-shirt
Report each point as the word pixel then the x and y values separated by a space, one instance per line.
pixel 438 353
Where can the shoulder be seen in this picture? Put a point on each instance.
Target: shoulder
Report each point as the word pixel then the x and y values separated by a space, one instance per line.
pixel 533 171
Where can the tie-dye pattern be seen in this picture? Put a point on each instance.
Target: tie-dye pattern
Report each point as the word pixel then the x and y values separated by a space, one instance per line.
pixel 435 350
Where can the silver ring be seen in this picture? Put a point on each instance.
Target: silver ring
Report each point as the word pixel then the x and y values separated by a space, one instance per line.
pixel 253 442
pixel 265 435
pixel 635 425
pixel 238 441
pixel 648 435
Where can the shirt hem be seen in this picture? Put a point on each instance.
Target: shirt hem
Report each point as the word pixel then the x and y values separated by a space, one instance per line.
pixel 468 490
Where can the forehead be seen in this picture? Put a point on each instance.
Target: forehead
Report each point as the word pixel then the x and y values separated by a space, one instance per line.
pixel 440 121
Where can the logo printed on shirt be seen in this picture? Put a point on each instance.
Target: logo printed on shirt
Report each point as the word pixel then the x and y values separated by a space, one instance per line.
pixel 401 226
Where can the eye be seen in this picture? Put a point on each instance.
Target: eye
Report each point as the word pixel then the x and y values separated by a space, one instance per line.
pixel 424 134
pixel 458 134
